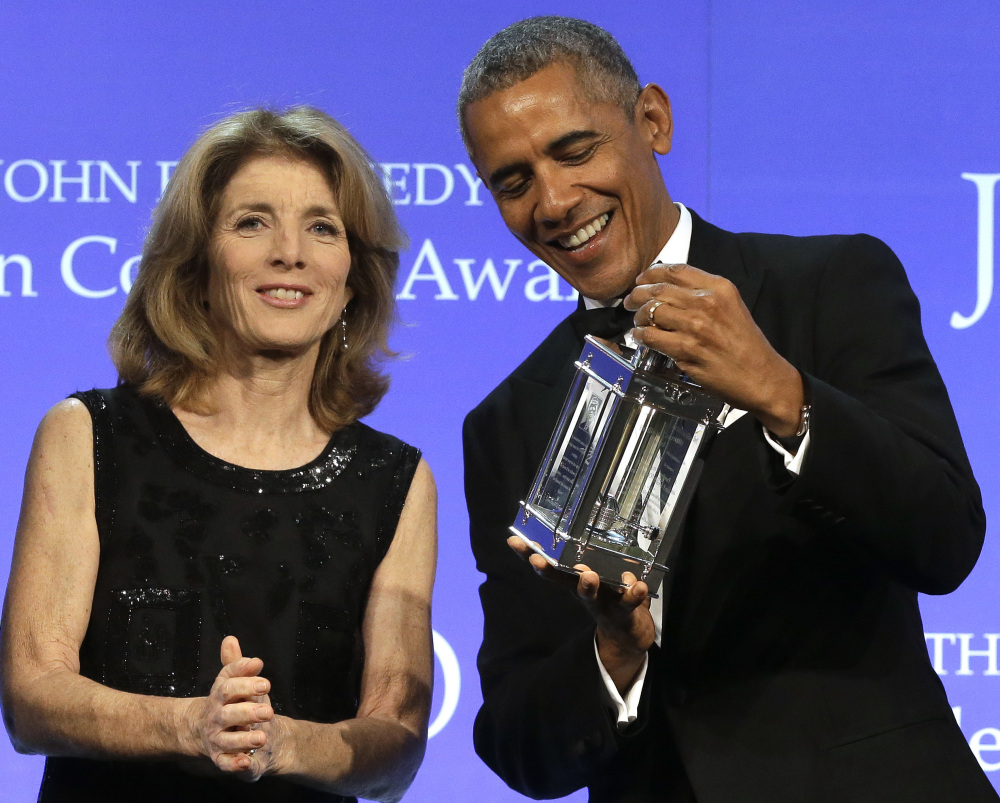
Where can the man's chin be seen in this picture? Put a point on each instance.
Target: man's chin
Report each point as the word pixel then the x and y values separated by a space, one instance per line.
pixel 604 292
pixel 596 281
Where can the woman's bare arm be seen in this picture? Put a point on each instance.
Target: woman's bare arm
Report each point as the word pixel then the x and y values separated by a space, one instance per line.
pixel 48 706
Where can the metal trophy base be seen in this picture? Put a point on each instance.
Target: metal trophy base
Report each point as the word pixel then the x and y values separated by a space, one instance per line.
pixel 652 580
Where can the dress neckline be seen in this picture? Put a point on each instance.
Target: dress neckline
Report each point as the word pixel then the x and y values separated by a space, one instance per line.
pixel 318 473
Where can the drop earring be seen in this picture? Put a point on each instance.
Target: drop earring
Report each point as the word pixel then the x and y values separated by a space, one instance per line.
pixel 343 330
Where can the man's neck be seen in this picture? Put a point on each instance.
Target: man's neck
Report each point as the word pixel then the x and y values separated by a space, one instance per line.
pixel 675 250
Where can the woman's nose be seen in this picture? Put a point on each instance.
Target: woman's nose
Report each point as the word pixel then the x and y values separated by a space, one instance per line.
pixel 288 250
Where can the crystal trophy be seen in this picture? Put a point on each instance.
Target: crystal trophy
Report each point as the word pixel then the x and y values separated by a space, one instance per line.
pixel 614 484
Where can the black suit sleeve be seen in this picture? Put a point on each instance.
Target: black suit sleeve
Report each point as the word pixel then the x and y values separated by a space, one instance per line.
pixel 886 465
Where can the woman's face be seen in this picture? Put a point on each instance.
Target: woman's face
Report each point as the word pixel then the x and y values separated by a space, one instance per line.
pixel 278 257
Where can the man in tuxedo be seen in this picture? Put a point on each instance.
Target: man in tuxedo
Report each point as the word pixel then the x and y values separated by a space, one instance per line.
pixel 786 660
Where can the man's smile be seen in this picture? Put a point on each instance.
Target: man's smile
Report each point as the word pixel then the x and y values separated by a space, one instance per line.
pixel 583 235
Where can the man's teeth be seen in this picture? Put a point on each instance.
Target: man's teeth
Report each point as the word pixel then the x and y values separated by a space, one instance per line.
pixel 282 293
pixel 584 234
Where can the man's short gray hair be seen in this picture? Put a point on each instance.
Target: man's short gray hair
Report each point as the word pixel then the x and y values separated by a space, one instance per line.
pixel 522 49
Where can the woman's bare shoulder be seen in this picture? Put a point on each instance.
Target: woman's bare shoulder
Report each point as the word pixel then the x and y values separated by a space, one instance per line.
pixel 63 449
pixel 68 420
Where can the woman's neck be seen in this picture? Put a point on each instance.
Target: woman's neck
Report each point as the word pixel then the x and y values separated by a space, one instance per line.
pixel 258 413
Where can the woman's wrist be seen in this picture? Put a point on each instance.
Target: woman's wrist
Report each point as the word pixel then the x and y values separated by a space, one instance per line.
pixel 185 720
pixel 281 736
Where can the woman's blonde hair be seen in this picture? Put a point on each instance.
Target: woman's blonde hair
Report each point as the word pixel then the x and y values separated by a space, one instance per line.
pixel 164 341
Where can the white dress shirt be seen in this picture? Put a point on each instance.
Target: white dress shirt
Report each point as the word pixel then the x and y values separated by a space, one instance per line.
pixel 626 707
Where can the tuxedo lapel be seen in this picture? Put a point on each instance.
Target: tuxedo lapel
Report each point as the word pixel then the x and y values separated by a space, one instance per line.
pixel 716 251
pixel 536 409
pixel 539 390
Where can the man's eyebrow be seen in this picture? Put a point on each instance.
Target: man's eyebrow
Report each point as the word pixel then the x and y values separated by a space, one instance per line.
pixel 570 139
pixel 567 140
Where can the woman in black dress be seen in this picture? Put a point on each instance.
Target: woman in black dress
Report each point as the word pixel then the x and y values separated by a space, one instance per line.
pixel 224 501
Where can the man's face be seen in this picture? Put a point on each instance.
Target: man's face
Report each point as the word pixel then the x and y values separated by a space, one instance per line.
pixel 574 179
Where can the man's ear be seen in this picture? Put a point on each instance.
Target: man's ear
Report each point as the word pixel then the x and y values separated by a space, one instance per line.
pixel 652 115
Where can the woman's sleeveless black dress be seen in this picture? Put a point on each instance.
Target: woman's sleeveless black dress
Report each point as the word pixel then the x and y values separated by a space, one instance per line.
pixel 194 549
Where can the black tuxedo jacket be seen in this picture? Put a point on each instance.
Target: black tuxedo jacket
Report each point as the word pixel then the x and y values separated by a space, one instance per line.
pixel 793 665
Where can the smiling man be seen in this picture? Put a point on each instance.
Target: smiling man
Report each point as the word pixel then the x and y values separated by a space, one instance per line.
pixel 785 661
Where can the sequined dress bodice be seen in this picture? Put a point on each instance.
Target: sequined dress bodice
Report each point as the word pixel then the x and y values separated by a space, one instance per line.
pixel 194 549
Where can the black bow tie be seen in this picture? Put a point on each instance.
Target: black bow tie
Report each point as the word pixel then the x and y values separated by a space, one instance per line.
pixel 606 322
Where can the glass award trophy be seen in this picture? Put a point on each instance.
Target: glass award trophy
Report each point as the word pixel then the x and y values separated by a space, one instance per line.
pixel 622 464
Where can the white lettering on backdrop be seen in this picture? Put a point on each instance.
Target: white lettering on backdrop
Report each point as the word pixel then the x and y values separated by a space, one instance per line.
pixel 26 272
pixel 964 652
pixel 87 272
pixel 973 655
pixel 67 269
pixel 985 190
pixel 451 674
pixel 984 740
pixel 428 273
pixel 60 180
pixel 27 180
pixel 432 184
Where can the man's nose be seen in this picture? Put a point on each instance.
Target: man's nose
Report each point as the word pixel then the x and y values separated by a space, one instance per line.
pixel 557 197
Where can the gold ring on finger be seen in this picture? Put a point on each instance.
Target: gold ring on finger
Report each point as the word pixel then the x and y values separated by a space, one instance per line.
pixel 650 321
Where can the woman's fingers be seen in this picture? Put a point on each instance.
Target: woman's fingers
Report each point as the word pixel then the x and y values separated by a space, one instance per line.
pixel 230 650
pixel 230 742
pixel 233 690
pixel 232 721
pixel 243 715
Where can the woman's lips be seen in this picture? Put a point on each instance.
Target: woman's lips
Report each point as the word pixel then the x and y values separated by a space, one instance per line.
pixel 284 296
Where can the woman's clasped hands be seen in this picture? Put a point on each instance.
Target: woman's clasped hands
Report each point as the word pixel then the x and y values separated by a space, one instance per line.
pixel 235 725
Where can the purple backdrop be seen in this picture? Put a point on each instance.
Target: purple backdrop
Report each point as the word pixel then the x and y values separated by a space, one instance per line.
pixel 831 117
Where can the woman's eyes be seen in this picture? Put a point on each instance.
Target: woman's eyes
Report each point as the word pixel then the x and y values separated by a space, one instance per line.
pixel 251 223
pixel 325 228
